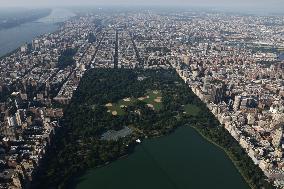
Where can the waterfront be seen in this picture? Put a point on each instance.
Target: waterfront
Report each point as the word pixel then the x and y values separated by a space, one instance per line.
pixel 12 38
pixel 181 160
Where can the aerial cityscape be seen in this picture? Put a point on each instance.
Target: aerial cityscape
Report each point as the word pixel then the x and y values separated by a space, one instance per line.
pixel 106 81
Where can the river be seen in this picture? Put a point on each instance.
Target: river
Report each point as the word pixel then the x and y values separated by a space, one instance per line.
pixel 12 38
pixel 182 160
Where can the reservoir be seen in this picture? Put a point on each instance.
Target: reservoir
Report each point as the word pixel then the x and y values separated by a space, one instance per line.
pixel 12 38
pixel 182 160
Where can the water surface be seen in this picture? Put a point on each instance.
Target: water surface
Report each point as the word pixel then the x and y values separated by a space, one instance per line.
pixel 182 160
pixel 12 38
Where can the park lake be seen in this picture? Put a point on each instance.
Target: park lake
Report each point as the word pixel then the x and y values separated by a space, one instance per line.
pixel 182 160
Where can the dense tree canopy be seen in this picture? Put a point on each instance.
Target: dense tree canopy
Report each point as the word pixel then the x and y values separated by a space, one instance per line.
pixel 77 145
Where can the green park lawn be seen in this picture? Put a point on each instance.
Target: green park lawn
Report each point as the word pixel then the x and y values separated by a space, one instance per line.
pixel 191 109
pixel 151 97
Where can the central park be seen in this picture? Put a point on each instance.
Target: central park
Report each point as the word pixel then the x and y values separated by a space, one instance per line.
pixel 157 108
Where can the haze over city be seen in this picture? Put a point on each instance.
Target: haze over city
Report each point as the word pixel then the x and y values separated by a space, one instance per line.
pixel 248 4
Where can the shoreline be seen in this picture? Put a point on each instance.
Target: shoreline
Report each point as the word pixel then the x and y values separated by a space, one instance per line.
pixel 171 132
pixel 13 25
pixel 226 152
pixel 9 53
pixel 17 48
pixel 73 184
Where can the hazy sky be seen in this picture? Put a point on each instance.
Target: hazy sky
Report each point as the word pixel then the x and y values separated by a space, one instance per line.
pixel 264 4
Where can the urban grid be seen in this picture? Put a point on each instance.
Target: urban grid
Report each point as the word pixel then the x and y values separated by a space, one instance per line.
pixel 220 56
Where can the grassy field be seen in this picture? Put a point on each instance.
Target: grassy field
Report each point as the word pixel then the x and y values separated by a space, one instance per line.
pixel 152 98
pixel 191 109
pixel 118 106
